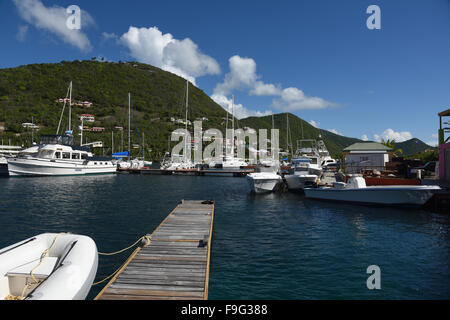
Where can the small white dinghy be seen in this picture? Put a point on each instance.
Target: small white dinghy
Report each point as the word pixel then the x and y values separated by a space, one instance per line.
pixel 48 266
pixel 356 191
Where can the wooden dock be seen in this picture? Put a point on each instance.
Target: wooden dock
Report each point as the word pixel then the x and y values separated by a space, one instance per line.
pixel 189 172
pixel 175 265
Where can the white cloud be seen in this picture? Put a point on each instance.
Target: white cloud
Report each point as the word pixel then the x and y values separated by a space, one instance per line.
pixel 22 33
pixel 264 89
pixel 242 76
pixel 53 20
pixel 335 131
pixel 293 99
pixel 240 111
pixel 110 36
pixel 434 142
pixel 314 123
pixel 182 57
pixel 393 135
pixel 364 137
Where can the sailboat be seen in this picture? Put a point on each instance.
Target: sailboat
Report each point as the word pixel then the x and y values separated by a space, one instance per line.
pixel 181 162
pixel 230 161
pixel 58 155
pixel 137 163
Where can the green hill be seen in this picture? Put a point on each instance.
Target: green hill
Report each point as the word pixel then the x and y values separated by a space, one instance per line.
pixel 412 146
pixel 32 91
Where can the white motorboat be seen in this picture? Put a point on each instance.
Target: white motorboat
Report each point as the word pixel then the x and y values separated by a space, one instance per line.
pixel 301 177
pixel 356 191
pixel 58 156
pixel 263 181
pixel 233 163
pixel 48 266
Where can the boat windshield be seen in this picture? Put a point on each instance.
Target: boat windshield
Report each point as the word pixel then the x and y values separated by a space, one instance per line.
pixel 46 154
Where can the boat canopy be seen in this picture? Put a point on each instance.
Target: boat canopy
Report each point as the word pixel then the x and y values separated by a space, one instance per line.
pixel 57 139
pixel 302 160
pixel 121 154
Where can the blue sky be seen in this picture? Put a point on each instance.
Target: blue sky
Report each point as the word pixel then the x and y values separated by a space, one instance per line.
pixel 316 59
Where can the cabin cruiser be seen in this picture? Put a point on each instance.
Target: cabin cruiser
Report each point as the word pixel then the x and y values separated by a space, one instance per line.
pixel 58 156
pixel 265 180
pixel 233 163
pixel 356 191
pixel 301 176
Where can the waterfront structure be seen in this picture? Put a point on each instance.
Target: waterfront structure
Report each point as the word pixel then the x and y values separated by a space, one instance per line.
pixel 444 148
pixel 366 156
pixel 174 261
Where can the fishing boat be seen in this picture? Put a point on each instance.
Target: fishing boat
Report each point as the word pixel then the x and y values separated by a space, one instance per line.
pixel 301 176
pixel 48 266
pixel 356 191
pixel 264 180
pixel 307 148
pixel 57 155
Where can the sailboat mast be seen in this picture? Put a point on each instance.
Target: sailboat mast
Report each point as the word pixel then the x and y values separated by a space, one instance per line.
pixel 232 135
pixel 287 132
pixel 70 107
pixel 185 125
pixel 129 124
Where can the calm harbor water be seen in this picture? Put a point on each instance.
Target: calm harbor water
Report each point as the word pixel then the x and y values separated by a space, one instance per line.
pixel 275 246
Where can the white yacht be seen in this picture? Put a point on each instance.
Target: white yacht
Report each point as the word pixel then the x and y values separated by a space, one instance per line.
pixel 58 156
pixel 301 176
pixel 264 180
pixel 233 163
pixel 356 191
pixel 307 148
pixel 326 161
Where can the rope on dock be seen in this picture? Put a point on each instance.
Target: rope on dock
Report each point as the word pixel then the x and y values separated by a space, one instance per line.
pixel 145 241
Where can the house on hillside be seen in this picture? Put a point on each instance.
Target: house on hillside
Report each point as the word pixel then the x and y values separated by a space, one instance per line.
pixel 87 118
pixel 366 156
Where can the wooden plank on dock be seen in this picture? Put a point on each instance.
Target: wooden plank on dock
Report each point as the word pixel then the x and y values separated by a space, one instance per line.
pixel 175 265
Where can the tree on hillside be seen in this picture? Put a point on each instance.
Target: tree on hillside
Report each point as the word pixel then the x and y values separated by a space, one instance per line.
pixel 391 144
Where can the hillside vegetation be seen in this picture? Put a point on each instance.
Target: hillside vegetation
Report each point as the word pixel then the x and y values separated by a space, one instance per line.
pixel 32 92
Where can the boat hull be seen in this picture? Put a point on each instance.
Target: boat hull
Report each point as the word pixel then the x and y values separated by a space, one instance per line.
pixel 299 182
pixel 39 167
pixel 392 195
pixel 70 278
pixel 263 184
